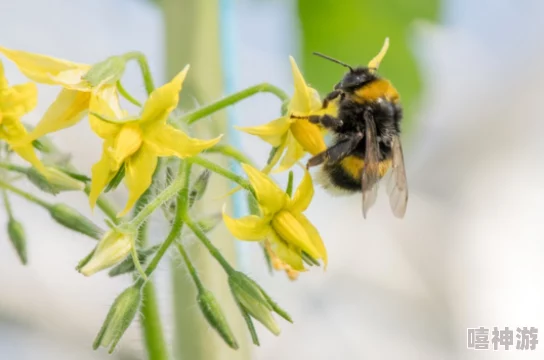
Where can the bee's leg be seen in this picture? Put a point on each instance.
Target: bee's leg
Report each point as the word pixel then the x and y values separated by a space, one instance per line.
pixel 331 96
pixel 336 152
pixel 327 121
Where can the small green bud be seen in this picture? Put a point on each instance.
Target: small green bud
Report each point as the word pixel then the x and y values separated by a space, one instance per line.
pixel 108 71
pixel 53 180
pixel 18 239
pixel 215 317
pixel 111 249
pixel 199 187
pixel 251 299
pixel 72 219
pixel 127 265
pixel 122 312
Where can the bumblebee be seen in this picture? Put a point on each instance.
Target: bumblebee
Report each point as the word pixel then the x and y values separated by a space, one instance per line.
pixel 366 131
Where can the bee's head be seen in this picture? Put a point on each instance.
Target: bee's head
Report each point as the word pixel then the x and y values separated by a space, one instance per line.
pixel 359 76
pixel 356 78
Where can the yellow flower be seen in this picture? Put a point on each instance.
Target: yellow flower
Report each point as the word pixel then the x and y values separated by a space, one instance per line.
pixel 72 102
pixel 284 226
pixel 292 135
pixel 15 101
pixel 136 144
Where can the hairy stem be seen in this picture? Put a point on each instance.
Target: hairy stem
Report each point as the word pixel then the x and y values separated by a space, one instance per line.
pixel 233 99
pixel 223 172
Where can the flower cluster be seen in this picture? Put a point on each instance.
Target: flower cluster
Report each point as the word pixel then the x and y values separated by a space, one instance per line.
pixel 138 149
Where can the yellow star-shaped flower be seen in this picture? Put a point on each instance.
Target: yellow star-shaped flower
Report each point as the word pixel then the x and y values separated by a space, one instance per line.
pixel 74 99
pixel 284 226
pixel 15 101
pixel 291 134
pixel 137 143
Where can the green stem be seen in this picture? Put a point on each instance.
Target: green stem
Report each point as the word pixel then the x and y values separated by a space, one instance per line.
pixel 7 204
pixel 144 67
pixel 208 244
pixel 151 324
pixel 190 267
pixel 183 178
pixel 13 167
pixel 223 172
pixel 232 99
pixel 231 152
pixel 124 93
pixel 160 199
pixel 26 195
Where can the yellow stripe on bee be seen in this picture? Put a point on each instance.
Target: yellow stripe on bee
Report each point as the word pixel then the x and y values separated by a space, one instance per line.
pixel 380 88
pixel 354 166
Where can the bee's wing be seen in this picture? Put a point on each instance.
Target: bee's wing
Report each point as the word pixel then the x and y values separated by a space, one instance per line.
pixel 370 175
pixel 397 187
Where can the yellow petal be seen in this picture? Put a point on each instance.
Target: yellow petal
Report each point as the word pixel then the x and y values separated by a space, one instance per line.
pixel 272 132
pixel 270 197
pixel 300 102
pixel 249 227
pixel 168 141
pixel 314 236
pixel 99 105
pixel 163 100
pixel 303 195
pixel 285 252
pixel 67 109
pixel 3 80
pixel 291 231
pixel 101 174
pixel 294 153
pixel 19 99
pixel 138 176
pixel 309 136
pixel 315 100
pixel 12 132
pixel 48 70
pixel 128 141
pixel 277 156
pixel 375 62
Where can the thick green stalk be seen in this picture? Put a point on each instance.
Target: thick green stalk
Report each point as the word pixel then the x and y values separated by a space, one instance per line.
pixel 233 99
pixel 151 324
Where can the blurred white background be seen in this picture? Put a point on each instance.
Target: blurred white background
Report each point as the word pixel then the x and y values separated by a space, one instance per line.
pixel 469 252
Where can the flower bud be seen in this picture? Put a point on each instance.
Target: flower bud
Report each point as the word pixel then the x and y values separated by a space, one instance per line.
pixel 199 187
pixel 18 239
pixel 53 180
pixel 106 72
pixel 122 312
pixel 72 219
pixel 251 299
pixel 215 317
pixel 113 248
pixel 127 265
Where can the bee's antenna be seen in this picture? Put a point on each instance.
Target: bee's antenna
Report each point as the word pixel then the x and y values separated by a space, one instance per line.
pixel 333 60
